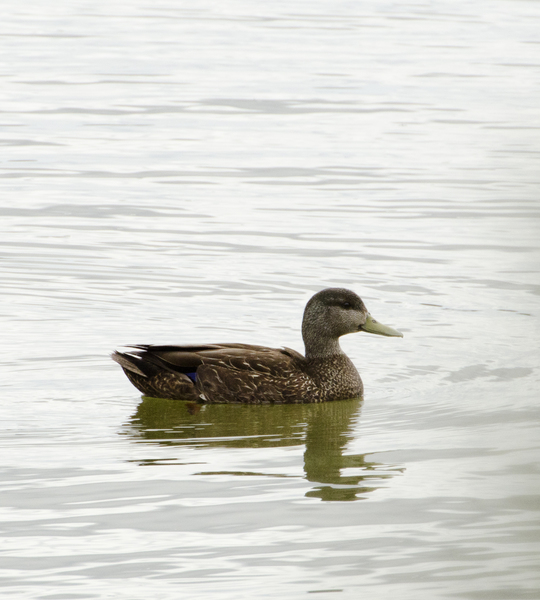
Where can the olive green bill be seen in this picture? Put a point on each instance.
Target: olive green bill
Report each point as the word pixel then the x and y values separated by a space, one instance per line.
pixel 372 326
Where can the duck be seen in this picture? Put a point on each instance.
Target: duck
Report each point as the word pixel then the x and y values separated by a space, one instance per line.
pixel 249 374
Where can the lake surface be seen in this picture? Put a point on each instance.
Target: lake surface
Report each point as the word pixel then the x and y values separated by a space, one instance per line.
pixel 194 173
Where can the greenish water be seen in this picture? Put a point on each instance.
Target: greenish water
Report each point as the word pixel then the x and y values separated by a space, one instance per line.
pixel 322 431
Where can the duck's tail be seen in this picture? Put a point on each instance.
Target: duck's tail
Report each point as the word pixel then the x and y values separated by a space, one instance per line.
pixel 129 362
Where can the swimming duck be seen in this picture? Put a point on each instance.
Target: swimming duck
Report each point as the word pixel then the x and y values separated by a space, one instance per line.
pixel 256 374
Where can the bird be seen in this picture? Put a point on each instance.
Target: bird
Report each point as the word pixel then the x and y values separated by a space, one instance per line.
pixel 249 374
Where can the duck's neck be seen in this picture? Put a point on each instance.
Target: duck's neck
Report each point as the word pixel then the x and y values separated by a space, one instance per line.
pixel 318 346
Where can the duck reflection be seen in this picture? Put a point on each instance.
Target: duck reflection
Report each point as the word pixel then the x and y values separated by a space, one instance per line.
pixel 324 429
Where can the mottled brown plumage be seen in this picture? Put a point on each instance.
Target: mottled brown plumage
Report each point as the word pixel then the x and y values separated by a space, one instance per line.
pixel 256 374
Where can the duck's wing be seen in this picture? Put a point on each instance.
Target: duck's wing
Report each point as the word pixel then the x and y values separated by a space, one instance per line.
pixel 254 375
pixel 187 359
pixel 231 372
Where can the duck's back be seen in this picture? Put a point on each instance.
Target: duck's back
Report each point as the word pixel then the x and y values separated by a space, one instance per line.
pixel 220 373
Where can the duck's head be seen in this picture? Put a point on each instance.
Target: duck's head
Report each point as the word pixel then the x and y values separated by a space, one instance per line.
pixel 334 312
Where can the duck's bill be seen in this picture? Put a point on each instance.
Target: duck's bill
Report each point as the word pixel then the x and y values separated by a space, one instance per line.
pixel 372 326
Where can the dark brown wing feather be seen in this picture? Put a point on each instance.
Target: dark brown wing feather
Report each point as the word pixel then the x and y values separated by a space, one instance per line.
pixel 225 373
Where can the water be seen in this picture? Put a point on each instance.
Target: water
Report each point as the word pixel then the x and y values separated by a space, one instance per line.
pixel 193 174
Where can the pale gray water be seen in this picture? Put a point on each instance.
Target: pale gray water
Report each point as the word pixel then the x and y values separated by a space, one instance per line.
pixel 178 172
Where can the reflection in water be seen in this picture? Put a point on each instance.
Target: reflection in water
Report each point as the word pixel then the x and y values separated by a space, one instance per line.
pixel 325 429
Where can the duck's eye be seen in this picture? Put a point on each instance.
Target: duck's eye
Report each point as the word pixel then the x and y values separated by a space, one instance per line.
pixel 346 305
